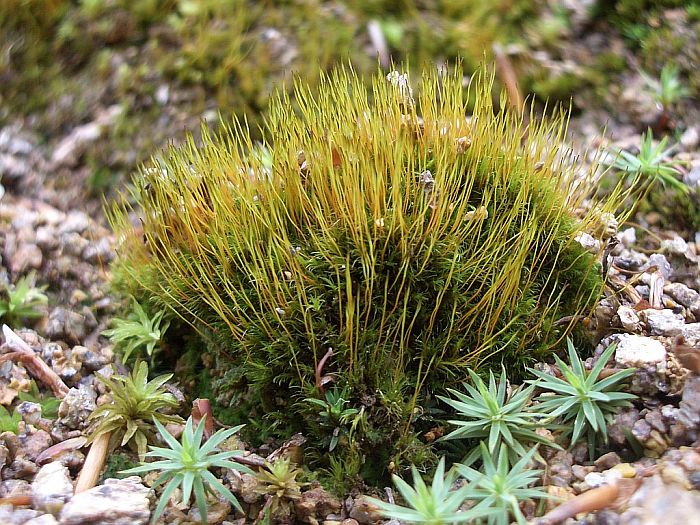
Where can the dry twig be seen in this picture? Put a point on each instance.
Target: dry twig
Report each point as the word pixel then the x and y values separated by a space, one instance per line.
pixel 69 444
pixel 613 495
pixel 94 461
pixel 32 362
pixel 507 75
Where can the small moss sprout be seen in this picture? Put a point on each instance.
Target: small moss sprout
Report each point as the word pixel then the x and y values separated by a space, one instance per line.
pixel 186 464
pixel 581 399
pixel 138 332
pixel 22 300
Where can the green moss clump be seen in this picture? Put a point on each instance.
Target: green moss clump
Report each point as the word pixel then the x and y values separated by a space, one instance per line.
pixel 365 257
pixel 676 210
pixel 659 31
pixel 116 463
pixel 676 41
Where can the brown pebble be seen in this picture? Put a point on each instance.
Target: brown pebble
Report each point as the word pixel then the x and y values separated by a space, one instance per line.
pixel 607 461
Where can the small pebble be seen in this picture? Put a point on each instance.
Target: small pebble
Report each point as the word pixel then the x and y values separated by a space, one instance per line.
pixel 594 479
pixel 626 470
pixel 607 461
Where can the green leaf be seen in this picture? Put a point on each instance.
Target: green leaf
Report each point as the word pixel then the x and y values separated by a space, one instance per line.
pixel 201 498
pixel 583 398
pixel 493 414
pixel 221 489
pixel 165 496
pixel 137 332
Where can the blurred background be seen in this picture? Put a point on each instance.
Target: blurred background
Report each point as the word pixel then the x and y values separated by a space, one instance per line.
pixel 91 88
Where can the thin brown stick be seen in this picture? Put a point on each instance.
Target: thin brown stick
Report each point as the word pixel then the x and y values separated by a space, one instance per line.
pixel 94 462
pixel 618 285
pixel 615 495
pixel 34 364
pixel 69 444
pixel 21 500
pixel 250 461
pixel 594 499
pixel 569 319
pixel 509 79
pixel 37 368
pixel 319 369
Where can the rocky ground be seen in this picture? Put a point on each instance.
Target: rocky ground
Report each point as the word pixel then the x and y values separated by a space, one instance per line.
pixel 655 274
pixel 50 229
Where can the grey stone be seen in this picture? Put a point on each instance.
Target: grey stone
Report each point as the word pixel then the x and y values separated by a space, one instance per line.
pixel 656 419
pixel 20 468
pixel 561 468
pixel 692 178
pixel 657 502
pixel 63 361
pixel 12 516
pixel 46 238
pixel 317 504
pixel 579 472
pixel 75 222
pixel 14 488
pixel 69 150
pixel 663 322
pixel 73 244
pixel 31 445
pixel 163 94
pixel 31 412
pixel 117 502
pixel 25 220
pixel 364 511
pixel 44 519
pixel 607 517
pixel 635 350
pixel 658 260
pixel 77 406
pixel 685 296
pixel 588 242
pixel 100 251
pixel 594 479
pixel 73 459
pixel 628 318
pixel 51 488
pixel 12 167
pixel 4 456
pixel 687 424
pixel 26 257
pixel 216 513
pixel 643 290
pixel 621 425
pixel 691 333
pixel 14 141
pixel 65 324
pixel 628 237
pixel 92 361
pixel 690 138
pixel 676 246
pixel 641 430
pixel 50 216
pixel 607 461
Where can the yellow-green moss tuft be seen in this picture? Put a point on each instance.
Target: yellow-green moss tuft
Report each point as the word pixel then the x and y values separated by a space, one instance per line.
pixel 365 256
